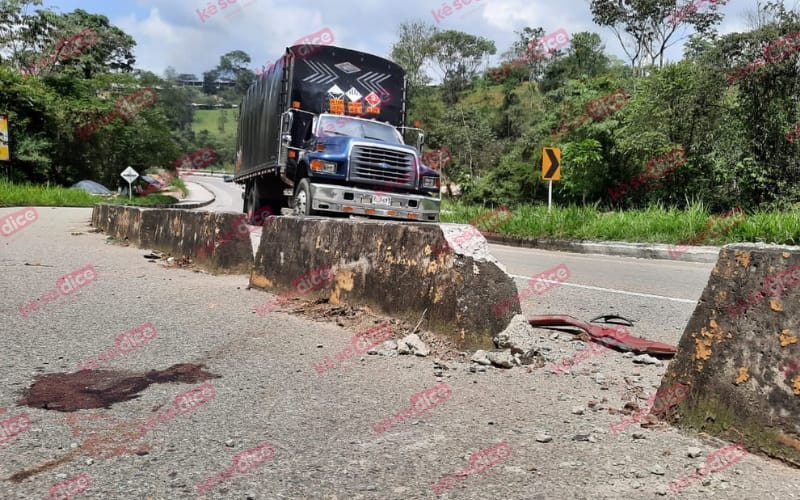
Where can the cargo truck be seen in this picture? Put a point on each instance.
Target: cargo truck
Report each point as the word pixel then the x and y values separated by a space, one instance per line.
pixel 322 132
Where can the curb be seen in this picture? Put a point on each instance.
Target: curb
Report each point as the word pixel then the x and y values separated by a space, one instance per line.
pixel 198 204
pixel 701 254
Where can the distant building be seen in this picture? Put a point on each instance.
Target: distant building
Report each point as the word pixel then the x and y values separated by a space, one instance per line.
pixel 197 105
pixel 189 83
pixel 199 83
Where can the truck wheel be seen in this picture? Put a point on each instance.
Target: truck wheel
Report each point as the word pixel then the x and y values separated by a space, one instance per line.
pixel 253 202
pixel 302 197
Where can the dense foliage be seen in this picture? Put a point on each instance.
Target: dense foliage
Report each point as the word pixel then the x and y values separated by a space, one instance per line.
pixel 730 106
pixel 55 88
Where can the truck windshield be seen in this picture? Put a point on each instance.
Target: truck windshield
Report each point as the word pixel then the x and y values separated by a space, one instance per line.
pixel 354 127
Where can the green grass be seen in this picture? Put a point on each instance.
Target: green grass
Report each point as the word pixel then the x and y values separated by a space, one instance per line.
pixel 208 119
pixel 43 196
pixel 178 183
pixel 23 195
pixel 653 225
pixel 153 199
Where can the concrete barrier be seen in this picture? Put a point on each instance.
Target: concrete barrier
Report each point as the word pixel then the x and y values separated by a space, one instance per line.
pixel 400 269
pixel 739 354
pixel 218 242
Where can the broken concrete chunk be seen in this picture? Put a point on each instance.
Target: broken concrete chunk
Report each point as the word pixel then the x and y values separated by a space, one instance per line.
pixel 503 359
pixel 647 360
pixel 388 349
pixel 518 334
pixel 464 239
pixel 481 357
pixel 412 344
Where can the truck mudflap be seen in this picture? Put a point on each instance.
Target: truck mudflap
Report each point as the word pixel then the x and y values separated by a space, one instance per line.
pixel 344 199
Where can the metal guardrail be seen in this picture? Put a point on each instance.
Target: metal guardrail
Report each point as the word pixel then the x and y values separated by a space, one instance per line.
pixel 203 173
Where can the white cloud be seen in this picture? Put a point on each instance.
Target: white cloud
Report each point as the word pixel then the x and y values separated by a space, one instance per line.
pixel 179 38
pixel 172 33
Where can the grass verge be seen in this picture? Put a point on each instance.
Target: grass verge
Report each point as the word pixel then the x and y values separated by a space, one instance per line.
pixel 652 225
pixel 153 199
pixel 44 196
pixel 178 183
pixel 24 195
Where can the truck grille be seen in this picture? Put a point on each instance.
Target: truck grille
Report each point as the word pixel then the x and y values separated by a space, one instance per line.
pixel 376 165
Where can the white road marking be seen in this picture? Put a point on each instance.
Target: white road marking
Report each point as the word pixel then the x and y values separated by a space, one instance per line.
pixel 612 290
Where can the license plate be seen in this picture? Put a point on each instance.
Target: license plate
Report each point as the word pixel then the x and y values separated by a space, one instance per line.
pixel 381 200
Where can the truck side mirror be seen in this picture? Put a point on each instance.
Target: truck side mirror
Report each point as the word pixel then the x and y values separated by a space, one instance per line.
pixel 286 126
pixel 420 141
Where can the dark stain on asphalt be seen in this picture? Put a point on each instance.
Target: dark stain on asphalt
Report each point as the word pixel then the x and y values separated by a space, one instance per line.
pixel 50 464
pixel 82 390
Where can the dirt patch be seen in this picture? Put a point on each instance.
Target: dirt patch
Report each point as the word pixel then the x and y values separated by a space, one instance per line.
pixel 102 388
pixel 361 318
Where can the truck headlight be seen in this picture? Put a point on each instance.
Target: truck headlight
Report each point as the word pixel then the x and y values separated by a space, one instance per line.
pixel 430 182
pixel 323 166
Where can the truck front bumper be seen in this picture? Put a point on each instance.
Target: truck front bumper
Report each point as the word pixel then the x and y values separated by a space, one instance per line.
pixel 344 199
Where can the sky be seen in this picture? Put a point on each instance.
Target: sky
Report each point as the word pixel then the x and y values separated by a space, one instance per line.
pixel 191 36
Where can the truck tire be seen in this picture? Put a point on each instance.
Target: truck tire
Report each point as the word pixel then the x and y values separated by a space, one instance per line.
pixel 302 199
pixel 253 202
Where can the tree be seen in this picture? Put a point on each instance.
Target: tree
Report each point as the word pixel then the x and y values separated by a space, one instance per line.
pixel 467 133
pixel 761 66
pixel 233 67
pixel 645 29
pixel 77 44
pixel 170 74
pixel 458 55
pixel 232 63
pixel 586 56
pixel 210 82
pixel 583 59
pixel 113 51
pixel 177 105
pixel 22 32
pixel 519 55
pixel 412 50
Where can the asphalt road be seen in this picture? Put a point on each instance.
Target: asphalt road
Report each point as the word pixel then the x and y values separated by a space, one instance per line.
pixel 555 427
pixel 228 194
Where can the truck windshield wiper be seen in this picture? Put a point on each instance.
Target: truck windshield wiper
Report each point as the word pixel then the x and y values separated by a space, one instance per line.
pixel 376 138
pixel 337 133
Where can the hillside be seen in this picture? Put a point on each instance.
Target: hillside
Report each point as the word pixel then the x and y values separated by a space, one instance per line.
pixel 209 120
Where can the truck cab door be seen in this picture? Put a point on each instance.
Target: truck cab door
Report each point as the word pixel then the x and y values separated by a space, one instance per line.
pixel 301 138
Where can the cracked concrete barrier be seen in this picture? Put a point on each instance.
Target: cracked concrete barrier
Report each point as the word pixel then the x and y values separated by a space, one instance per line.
pixel 218 242
pixel 739 355
pixel 401 269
